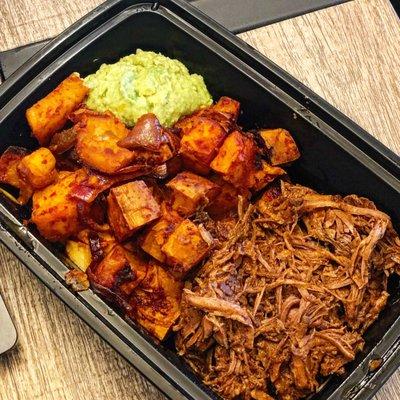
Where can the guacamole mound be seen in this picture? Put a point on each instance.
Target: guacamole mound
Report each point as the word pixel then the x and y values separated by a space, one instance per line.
pixel 146 82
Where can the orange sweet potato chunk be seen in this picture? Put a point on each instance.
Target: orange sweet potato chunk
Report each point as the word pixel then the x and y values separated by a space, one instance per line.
pixel 79 253
pixel 281 145
pixel 261 177
pixel 155 303
pixel 227 199
pixel 9 162
pixel 97 141
pixel 227 106
pixel 157 234
pixel 50 114
pixel 120 271
pixel 190 192
pixel 38 168
pixel 54 212
pixel 235 159
pixel 130 207
pixel 184 248
pixel 200 143
pixel 225 111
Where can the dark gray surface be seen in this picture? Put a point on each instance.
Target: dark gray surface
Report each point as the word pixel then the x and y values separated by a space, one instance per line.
pixel 242 15
pixel 235 15
pixel 11 60
pixel 8 334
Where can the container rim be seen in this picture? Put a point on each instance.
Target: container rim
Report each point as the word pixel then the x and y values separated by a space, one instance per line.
pixel 16 240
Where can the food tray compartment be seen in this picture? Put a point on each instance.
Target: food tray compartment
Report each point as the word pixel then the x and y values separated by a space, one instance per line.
pixel 330 163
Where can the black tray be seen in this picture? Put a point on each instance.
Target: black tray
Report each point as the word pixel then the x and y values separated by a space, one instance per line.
pixel 337 156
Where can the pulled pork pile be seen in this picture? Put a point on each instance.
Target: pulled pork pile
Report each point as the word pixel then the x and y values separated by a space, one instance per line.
pixel 286 297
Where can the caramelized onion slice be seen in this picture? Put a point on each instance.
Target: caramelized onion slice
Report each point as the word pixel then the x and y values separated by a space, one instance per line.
pixel 63 141
pixel 147 134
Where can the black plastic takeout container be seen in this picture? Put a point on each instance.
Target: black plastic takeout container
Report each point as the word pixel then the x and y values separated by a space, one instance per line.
pixel 337 157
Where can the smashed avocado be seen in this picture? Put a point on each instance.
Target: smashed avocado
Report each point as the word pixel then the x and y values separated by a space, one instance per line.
pixel 146 82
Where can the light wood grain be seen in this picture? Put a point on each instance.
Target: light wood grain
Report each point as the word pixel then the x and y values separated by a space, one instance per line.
pixel 348 54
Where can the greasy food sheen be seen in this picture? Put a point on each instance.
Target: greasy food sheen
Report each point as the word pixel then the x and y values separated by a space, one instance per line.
pixel 285 300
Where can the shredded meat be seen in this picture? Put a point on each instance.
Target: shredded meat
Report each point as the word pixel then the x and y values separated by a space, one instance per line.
pixel 287 294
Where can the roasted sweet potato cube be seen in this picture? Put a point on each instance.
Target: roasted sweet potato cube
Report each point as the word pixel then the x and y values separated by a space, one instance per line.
pixel 185 124
pixel 130 207
pixel 156 235
pixel 120 272
pixel 9 161
pixel 200 144
pixel 227 199
pixel 50 114
pixel 184 248
pixel 227 106
pixel 97 138
pixel 103 242
pixel 281 146
pixel 38 168
pixel 155 303
pixel 194 165
pixel 265 174
pixel 79 253
pixel 54 212
pixel 154 158
pixel 235 159
pixel 174 165
pixel 190 192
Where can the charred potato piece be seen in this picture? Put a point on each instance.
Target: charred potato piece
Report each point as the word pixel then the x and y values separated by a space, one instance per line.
pixel 200 144
pixel 156 235
pixel 38 168
pixel 184 248
pixel 261 177
pixel 155 303
pixel 79 253
pixel 190 192
pixel 77 279
pixel 54 212
pixel 235 159
pixel 97 141
pixel 9 161
pixel 50 114
pixel 120 272
pixel 105 241
pixel 174 165
pixel 281 146
pixel 225 111
pixel 186 123
pixel 154 158
pixel 227 199
pixel 228 107
pixel 130 207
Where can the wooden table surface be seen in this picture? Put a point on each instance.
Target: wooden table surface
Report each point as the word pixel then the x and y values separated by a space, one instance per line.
pixel 348 54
